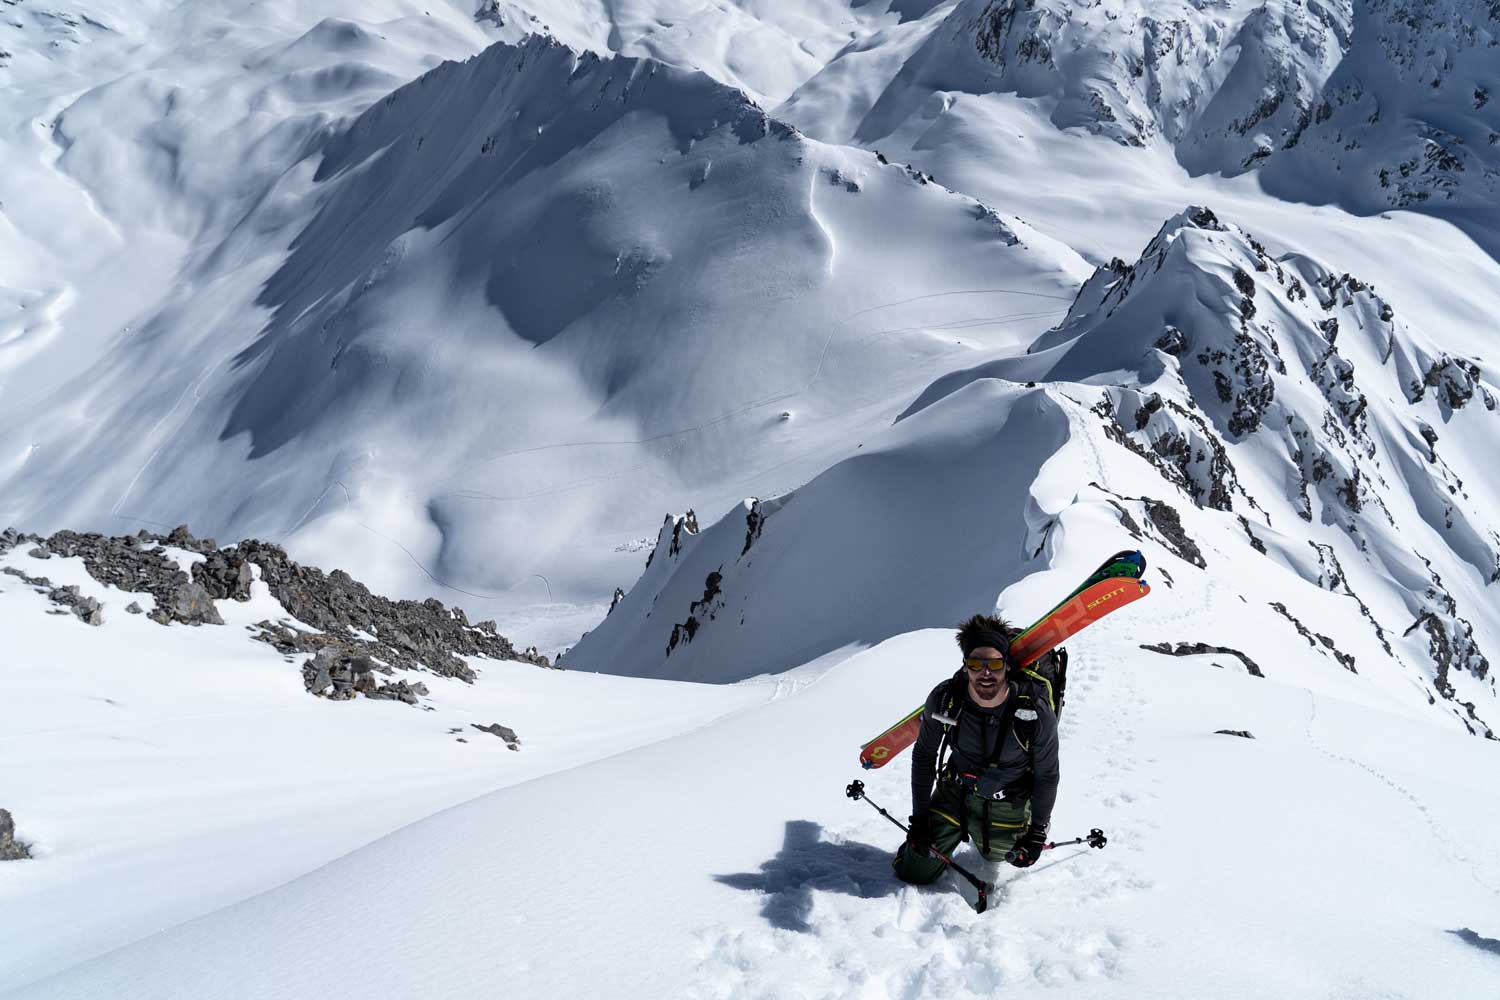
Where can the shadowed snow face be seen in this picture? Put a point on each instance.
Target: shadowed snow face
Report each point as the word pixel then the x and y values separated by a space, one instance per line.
pixel 987 686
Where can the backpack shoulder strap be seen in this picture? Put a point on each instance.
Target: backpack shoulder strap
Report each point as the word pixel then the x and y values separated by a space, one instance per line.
pixel 952 705
pixel 1045 683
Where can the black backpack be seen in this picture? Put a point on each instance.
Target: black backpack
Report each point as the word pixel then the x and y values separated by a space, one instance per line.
pixel 1053 669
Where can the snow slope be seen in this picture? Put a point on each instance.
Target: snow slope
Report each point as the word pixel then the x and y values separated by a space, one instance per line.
pixel 727 863
pixel 1370 104
pixel 1220 405
pixel 141 758
pixel 475 353
pixel 1407 119
pixel 1212 80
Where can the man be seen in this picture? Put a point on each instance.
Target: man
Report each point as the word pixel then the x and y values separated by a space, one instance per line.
pixel 999 781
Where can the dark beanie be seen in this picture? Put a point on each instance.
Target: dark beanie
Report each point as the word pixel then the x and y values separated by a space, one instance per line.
pixel 984 637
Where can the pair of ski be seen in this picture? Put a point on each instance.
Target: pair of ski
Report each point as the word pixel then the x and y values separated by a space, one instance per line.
pixel 1113 585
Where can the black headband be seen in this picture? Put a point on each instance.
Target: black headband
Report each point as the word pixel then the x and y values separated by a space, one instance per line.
pixel 996 640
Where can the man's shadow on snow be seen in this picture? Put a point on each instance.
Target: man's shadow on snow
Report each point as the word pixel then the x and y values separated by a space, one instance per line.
pixel 806 862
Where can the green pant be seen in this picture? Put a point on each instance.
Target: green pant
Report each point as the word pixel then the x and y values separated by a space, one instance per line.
pixel 953 813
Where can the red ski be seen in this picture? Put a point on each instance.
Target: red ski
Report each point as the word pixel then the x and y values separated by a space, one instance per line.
pixel 1081 609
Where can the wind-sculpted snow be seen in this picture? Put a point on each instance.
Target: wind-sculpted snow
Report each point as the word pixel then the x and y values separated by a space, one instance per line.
pixel 1225 84
pixel 527 296
pixel 1288 403
pixel 926 523
pixel 1273 387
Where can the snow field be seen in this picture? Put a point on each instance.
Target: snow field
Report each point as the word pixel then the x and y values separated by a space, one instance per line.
pixel 726 862
pixel 142 758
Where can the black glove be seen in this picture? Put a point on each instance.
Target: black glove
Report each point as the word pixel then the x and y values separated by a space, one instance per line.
pixel 1029 847
pixel 919 835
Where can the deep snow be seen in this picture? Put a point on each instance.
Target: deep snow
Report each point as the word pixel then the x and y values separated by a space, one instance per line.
pixel 726 862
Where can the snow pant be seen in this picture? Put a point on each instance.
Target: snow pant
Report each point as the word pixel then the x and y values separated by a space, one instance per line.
pixel 994 826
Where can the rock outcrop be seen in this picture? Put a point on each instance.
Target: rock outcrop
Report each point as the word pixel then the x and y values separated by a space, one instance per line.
pixel 11 849
pixel 350 634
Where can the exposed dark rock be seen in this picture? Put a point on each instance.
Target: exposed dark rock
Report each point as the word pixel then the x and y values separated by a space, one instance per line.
pixel 682 633
pixel 1126 520
pixel 1145 410
pixel 1194 462
pixel 399 691
pixel 1451 646
pixel 1327 648
pixel 1331 577
pixel 136 563
pixel 1200 648
pixel 1172 342
pixel 1456 379
pixel 39 553
pixel 754 521
pixel 1302 630
pixel 711 590
pixel 1244 283
pixel 67 598
pixel 409 635
pixel 1168 524
pixel 193 605
pixel 360 627
pixel 1255 542
pixel 10 538
pixel 1242 733
pixel 1242 378
pixel 134 608
pixel 35 581
pixel 336 674
pixel 1204 218
pixel 505 733
pixel 11 849
pixel 489 10
pixel 1431 437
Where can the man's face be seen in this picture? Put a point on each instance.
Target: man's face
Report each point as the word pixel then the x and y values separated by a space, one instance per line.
pixel 985 684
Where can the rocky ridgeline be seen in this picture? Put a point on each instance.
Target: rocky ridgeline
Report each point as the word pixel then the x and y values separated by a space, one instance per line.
pixel 351 635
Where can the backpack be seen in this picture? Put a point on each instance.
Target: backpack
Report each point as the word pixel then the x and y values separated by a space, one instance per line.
pixel 1023 718
pixel 1053 669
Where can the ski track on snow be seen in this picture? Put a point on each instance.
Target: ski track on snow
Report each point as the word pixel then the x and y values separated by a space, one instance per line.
pixel 1446 842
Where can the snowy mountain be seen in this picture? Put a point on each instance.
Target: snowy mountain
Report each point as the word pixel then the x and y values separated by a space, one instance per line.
pixel 1285 401
pixel 1213 80
pixel 1371 105
pixel 521 379
pixel 875 302
pixel 1406 119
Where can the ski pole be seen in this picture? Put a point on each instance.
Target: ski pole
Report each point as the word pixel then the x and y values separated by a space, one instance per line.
pixel 856 791
pixel 1096 838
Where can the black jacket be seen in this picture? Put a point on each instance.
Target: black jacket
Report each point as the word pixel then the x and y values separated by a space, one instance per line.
pixel 1007 771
